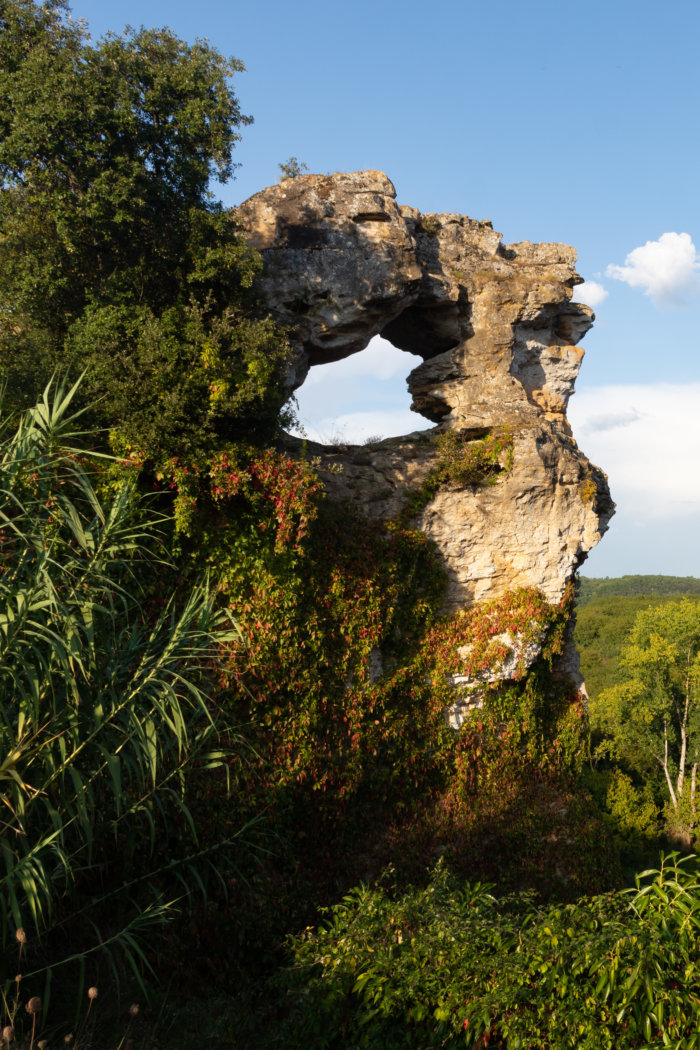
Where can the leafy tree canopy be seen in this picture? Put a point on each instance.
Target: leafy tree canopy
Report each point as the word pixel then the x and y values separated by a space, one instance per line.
pixel 114 256
pixel 602 627
pixel 651 718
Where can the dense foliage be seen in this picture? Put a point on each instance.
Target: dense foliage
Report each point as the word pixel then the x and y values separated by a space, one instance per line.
pixel 114 258
pixel 602 627
pixel 617 636
pixel 650 720
pixel 630 586
pixel 450 966
pixel 348 669
pixel 346 663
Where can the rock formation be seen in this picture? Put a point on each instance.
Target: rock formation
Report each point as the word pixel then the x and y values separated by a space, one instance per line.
pixel 498 334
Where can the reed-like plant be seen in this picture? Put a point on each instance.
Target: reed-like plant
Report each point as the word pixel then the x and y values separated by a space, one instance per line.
pixel 103 701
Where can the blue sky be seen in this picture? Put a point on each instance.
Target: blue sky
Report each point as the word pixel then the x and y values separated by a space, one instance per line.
pixel 574 123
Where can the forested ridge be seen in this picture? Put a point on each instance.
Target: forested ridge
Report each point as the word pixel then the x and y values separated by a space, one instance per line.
pixel 605 612
pixel 220 827
pixel 628 586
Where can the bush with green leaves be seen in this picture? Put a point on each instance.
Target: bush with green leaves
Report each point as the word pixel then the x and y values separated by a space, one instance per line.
pixel 450 966
pixel 104 710
pixel 633 809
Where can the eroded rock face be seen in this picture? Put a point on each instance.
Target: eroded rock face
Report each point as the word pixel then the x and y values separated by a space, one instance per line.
pixel 498 335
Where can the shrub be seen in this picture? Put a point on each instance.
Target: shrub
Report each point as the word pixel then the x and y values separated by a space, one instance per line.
pixel 451 966
pixel 633 809
pixel 462 461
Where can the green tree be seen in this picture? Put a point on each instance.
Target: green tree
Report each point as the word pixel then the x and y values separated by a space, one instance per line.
pixel 602 627
pixel 651 718
pixel 114 255
pixel 292 168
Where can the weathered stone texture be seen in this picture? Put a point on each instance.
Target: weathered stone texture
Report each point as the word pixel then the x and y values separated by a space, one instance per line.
pixel 498 335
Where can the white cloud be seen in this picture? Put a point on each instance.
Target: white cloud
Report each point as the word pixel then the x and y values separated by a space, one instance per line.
pixel 363 396
pixel 647 439
pixel 379 359
pixel 612 420
pixel 591 293
pixel 666 270
pixel 354 428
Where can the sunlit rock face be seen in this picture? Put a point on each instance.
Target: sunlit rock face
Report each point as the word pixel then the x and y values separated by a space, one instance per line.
pixel 498 334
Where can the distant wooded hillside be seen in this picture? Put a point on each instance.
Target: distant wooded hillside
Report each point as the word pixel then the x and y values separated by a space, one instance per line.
pixel 605 614
pixel 627 586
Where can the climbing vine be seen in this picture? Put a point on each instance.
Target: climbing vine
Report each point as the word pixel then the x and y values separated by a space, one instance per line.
pixel 344 655
pixel 481 638
pixel 346 668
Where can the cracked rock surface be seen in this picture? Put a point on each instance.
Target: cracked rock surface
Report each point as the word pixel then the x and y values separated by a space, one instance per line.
pixel 498 335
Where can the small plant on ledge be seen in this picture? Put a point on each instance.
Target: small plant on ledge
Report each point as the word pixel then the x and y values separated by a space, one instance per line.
pixel 462 462
pixel 292 168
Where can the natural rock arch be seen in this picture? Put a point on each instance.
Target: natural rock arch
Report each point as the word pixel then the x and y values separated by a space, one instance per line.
pixel 498 334
pixel 360 399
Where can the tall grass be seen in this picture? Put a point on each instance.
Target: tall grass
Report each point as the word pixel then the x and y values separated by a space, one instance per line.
pixel 103 708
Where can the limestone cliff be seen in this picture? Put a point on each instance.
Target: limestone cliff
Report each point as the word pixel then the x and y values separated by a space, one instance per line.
pixel 498 334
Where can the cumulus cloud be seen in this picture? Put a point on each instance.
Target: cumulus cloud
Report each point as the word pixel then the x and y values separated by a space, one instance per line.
pixel 666 270
pixel 647 440
pixel 591 293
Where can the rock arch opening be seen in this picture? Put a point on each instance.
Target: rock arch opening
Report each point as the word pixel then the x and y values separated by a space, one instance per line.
pixel 426 329
pixel 361 398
